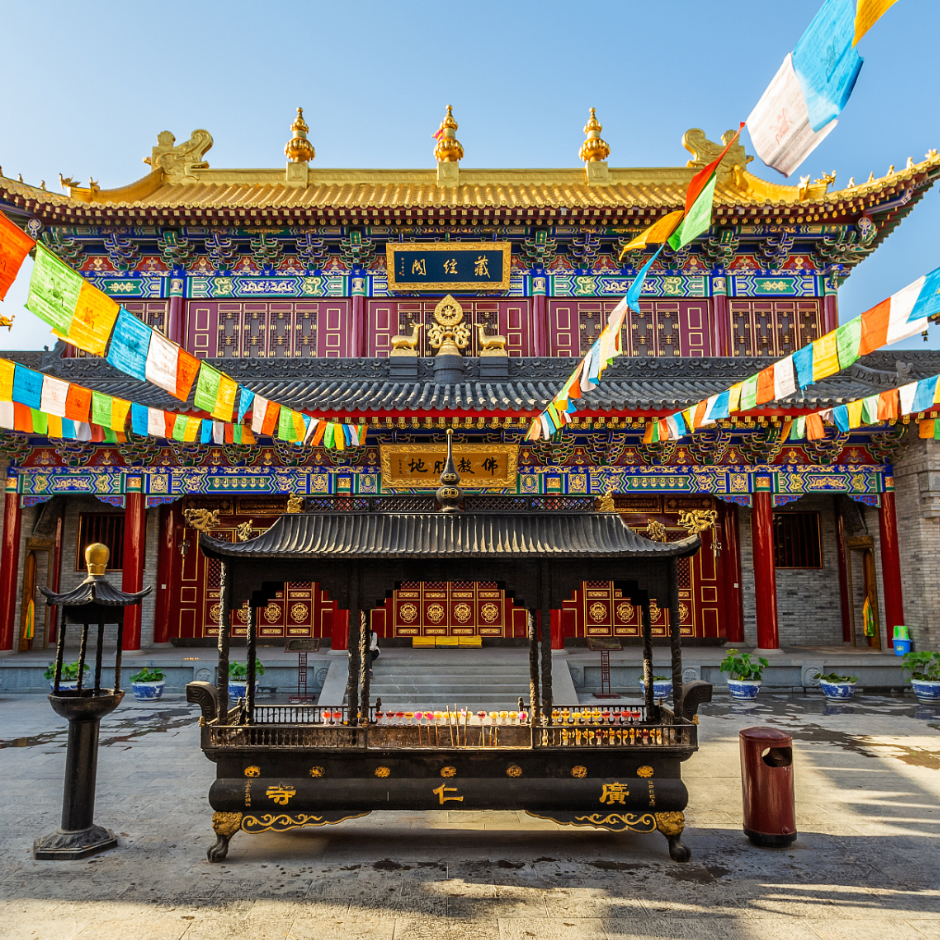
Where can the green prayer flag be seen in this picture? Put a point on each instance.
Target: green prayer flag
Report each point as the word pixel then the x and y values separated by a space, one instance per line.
pixel 798 429
pixel 328 435
pixel 870 410
pixel 285 425
pixel 110 437
pixel 698 219
pixel 179 427
pixel 848 339
pixel 237 434
pixel 40 421
pixel 53 291
pixel 101 409
pixel 207 388
pixel 749 393
pixel 936 429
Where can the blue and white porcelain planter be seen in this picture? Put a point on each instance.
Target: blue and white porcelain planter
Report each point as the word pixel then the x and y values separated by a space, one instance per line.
pixel 64 685
pixel 148 691
pixel 927 691
pixel 662 688
pixel 744 690
pixel 837 691
pixel 238 689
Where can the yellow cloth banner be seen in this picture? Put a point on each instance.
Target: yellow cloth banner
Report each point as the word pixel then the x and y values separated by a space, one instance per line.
pixel 734 398
pixel 867 13
pixel 225 401
pixel 93 321
pixel 855 413
pixel 7 369
pixel 657 233
pixel 192 429
pixel 119 410
pixel 825 356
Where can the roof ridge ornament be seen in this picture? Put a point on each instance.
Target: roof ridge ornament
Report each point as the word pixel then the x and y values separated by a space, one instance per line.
pixel 449 333
pixel 448 151
pixel 298 149
pixel 704 151
pixel 449 495
pixel 594 153
pixel 179 162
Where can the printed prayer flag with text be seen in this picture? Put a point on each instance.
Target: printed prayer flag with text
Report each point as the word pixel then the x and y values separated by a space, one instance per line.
pixel 207 388
pixel 867 13
pixel 95 315
pixel 129 344
pixel 53 291
pixel 15 245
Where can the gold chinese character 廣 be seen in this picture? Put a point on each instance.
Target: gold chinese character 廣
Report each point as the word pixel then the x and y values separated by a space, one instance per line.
pixel 614 793
pixel 450 266
pixel 280 795
pixel 419 267
pixel 481 267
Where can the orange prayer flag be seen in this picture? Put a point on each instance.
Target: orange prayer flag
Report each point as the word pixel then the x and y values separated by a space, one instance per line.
pixel 657 233
pixel 15 245
pixel 78 404
pixel 765 385
pixel 93 321
pixel 169 423
pixel 271 417
pixel 648 433
pixel 888 405
pixel 815 430
pixel 699 414
pixel 247 436
pixel 926 428
pixel 318 434
pixel 22 418
pixel 187 368
pixel 875 327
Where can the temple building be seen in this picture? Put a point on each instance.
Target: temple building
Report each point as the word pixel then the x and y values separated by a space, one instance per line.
pixel 417 301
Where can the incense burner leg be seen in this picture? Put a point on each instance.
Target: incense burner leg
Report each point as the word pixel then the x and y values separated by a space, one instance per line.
pixel 671 826
pixel 225 826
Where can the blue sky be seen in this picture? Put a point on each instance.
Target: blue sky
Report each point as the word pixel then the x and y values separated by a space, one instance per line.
pixel 87 89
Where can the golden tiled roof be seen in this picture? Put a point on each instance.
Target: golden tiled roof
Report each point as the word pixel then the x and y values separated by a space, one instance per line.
pixel 200 190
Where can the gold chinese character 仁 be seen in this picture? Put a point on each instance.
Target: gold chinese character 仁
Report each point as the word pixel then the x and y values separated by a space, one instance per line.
pixel 614 793
pixel 441 792
pixel 280 795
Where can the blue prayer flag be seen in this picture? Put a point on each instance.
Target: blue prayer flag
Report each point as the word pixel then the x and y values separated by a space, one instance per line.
pixel 840 416
pixel 205 431
pixel 720 408
pixel 826 63
pixel 244 403
pixel 27 387
pixel 928 300
pixel 803 361
pixel 139 419
pixel 636 288
pixel 68 428
pixel 924 395
pixel 130 343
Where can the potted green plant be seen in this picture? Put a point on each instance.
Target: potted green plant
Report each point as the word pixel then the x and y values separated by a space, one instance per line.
pixel 148 685
pixel 238 679
pixel 662 686
pixel 924 667
pixel 744 676
pixel 836 688
pixel 68 679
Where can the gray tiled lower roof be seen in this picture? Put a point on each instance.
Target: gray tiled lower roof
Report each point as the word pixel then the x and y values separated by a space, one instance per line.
pixel 630 385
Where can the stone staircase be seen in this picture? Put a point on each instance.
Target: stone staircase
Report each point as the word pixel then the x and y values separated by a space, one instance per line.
pixel 436 685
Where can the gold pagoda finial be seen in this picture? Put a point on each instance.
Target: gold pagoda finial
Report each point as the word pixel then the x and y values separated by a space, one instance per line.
pixel 594 150
pixel 96 558
pixel 448 148
pixel 298 149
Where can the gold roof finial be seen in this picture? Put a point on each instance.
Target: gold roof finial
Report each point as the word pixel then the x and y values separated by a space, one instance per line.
pixel 96 558
pixel 593 150
pixel 448 148
pixel 298 149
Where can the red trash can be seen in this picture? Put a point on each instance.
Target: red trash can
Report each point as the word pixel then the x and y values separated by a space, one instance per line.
pixel 767 785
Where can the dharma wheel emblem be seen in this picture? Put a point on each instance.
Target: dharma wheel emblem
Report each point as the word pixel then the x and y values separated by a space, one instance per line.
pixel 625 611
pixel 272 613
pixel 299 611
pixel 436 613
pixel 463 612
pixel 489 612
pixel 598 612
pixel 408 612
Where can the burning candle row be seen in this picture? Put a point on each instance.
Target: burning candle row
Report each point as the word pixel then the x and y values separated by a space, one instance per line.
pixel 595 716
pixel 461 717
pixel 608 737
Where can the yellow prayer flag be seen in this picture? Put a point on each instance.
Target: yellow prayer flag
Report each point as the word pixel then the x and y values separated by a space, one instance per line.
pixel 734 398
pixel 119 410
pixel 93 320
pixel 825 356
pixel 192 429
pixel 657 233
pixel 54 426
pixel 7 369
pixel 926 428
pixel 867 13
pixel 300 429
pixel 855 413
pixel 225 400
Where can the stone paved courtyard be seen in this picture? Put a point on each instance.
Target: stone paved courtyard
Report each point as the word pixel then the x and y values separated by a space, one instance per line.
pixel 866 865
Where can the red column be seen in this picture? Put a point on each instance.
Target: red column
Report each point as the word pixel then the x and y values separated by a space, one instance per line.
pixel 358 342
pixel 132 565
pixel 765 573
pixel 721 318
pixel 166 585
pixel 890 562
pixel 9 563
pixel 55 577
pixel 843 580
pixel 830 313
pixel 558 636
pixel 175 317
pixel 539 317
pixel 730 561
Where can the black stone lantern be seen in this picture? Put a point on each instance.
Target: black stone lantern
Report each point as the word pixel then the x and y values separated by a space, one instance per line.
pixel 94 602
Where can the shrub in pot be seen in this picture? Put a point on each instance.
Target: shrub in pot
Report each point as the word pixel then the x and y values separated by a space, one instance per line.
pixel 744 676
pixel 924 668
pixel 68 680
pixel 148 685
pixel 238 679
pixel 662 686
pixel 836 688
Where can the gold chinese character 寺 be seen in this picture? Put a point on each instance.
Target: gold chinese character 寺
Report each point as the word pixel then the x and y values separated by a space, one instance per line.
pixel 280 795
pixel 419 267
pixel 481 267
pixel 614 793
pixel 450 266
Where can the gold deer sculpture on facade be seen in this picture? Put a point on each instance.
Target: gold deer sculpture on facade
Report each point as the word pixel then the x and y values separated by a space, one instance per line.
pixel 405 345
pixel 491 345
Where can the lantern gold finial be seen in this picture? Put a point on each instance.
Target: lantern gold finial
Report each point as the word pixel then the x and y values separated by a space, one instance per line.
pixel 298 149
pixel 96 558
pixel 594 150
pixel 448 149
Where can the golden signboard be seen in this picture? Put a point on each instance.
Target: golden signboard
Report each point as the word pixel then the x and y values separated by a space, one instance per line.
pixel 481 466
pixel 448 266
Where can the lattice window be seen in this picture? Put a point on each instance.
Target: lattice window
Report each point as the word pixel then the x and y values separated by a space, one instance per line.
pixel 773 327
pixel 796 540
pixel 104 527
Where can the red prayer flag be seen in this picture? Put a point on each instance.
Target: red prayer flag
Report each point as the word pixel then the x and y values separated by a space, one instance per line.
pixel 875 327
pixel 15 245
pixel 765 385
pixel 78 404
pixel 888 405
pixel 701 179
pixel 97 433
